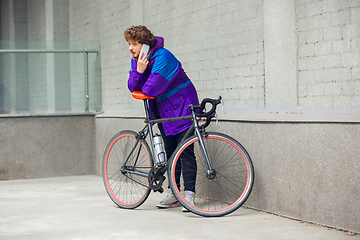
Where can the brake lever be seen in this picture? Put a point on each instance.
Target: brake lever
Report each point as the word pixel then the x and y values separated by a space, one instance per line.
pixel 222 105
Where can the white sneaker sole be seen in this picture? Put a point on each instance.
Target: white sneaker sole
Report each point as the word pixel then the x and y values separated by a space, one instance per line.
pixel 185 210
pixel 168 206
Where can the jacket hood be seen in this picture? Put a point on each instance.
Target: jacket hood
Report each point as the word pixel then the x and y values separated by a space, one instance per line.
pixel 159 43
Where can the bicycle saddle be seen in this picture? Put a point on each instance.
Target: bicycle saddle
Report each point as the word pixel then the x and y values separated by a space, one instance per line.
pixel 141 96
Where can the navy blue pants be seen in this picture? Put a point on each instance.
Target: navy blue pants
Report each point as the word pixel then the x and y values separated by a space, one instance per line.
pixel 187 164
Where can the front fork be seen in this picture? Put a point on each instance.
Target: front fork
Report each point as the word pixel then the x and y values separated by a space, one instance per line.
pixel 211 173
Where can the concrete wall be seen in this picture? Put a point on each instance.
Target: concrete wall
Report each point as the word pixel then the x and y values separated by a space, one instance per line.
pixel 47 146
pixel 306 171
pixel 106 128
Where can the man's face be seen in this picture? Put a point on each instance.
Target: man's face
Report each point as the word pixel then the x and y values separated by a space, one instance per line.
pixel 134 48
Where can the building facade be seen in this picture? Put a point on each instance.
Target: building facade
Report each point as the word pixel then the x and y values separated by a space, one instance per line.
pixel 288 71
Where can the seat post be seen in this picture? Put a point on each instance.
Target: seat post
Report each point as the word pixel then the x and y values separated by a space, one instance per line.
pixel 146 105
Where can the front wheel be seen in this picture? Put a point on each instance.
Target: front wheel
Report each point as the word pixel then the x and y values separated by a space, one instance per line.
pixel 127 184
pixel 217 192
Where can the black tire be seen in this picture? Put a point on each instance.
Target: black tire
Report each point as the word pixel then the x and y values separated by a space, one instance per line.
pixel 127 190
pixel 229 188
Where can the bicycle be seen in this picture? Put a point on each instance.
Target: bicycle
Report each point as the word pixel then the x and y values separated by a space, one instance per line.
pixel 224 171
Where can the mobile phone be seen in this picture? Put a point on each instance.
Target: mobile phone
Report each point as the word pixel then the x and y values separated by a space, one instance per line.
pixel 145 49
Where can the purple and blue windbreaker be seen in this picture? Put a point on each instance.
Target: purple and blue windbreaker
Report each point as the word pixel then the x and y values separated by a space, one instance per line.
pixel 165 79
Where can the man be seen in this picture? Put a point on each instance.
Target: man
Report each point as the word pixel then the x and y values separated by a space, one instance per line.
pixel 159 74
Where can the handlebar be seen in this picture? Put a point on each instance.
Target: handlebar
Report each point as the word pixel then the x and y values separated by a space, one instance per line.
pixel 208 115
pixel 201 107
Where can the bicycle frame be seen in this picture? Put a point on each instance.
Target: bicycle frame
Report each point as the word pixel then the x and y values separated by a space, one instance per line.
pixel 189 132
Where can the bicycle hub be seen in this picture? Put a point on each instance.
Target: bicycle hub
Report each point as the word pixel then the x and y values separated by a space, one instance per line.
pixel 211 174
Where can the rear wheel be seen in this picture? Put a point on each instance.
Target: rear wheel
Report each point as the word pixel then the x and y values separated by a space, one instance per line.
pixel 222 190
pixel 127 185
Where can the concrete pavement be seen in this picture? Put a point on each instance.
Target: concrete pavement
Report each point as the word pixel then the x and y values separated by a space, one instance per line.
pixel 79 208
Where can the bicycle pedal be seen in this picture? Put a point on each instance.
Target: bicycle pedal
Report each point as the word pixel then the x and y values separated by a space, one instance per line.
pixel 160 190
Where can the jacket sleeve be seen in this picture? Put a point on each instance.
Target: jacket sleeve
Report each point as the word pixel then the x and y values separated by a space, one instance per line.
pixel 136 79
pixel 164 69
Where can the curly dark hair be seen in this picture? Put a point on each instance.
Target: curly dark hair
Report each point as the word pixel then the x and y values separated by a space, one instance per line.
pixel 140 34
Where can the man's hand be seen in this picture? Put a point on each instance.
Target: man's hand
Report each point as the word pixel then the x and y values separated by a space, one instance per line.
pixel 142 63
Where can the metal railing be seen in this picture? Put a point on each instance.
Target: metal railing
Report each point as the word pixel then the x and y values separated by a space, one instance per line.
pixel 85 53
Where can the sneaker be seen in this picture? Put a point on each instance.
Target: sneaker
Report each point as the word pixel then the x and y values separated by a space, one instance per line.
pixel 169 201
pixel 190 198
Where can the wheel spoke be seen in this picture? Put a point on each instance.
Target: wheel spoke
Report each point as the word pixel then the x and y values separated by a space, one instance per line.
pixel 126 189
pixel 228 188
